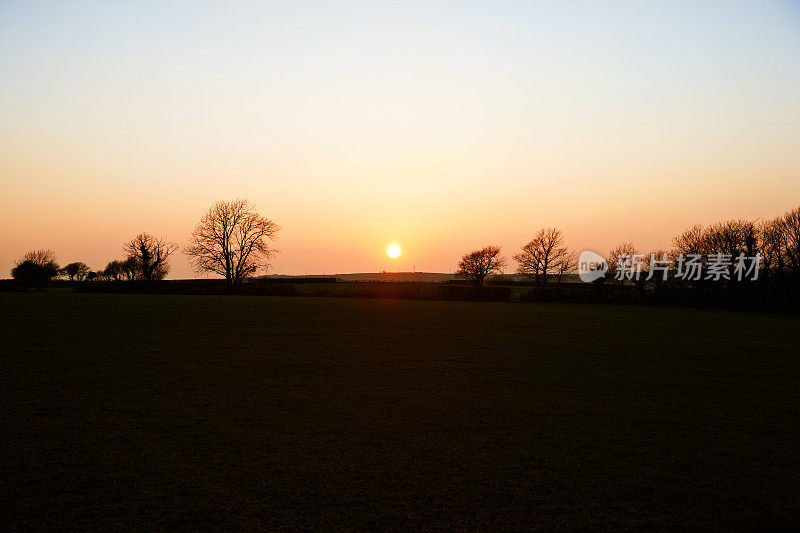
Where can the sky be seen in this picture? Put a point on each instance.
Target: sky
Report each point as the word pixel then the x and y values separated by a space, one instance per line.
pixel 439 126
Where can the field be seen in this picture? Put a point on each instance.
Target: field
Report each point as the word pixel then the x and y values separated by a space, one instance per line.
pixel 179 412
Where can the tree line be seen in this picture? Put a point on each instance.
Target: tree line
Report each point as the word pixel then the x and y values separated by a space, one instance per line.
pixel 234 241
pixel 545 258
pixel 231 239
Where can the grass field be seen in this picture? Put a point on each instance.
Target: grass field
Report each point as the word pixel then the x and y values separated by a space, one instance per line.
pixel 210 411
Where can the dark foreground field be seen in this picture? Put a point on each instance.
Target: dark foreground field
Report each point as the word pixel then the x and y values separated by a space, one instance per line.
pixel 194 411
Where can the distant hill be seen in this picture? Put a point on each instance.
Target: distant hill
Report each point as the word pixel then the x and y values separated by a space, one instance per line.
pixel 420 277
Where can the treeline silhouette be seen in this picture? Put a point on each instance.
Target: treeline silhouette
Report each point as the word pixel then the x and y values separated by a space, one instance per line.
pixel 233 241
pixel 772 248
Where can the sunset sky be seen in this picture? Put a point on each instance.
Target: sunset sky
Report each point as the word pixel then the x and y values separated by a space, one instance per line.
pixel 439 126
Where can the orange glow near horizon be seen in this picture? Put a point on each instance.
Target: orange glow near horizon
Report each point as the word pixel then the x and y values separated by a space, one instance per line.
pixel 444 128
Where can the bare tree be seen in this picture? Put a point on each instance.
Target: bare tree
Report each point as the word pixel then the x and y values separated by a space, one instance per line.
pixel 151 255
pixel 44 258
pixel 622 255
pixel 75 271
pixel 567 264
pixel 790 224
pixel 772 247
pixel 232 240
pixel 692 241
pixel 477 265
pixel 544 256
pixel 732 237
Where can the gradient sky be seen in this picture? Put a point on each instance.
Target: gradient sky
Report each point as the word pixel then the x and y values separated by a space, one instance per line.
pixel 442 126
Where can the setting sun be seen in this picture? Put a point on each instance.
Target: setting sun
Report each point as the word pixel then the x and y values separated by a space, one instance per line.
pixel 393 251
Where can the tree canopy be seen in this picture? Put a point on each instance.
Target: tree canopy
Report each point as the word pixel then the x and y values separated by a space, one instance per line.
pixel 76 271
pixel 36 268
pixel 232 240
pixel 477 265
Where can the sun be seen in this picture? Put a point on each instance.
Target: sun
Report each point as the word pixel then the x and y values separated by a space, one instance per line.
pixel 393 251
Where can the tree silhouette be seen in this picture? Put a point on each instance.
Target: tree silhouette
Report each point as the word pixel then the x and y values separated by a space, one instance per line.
pixel 621 255
pixel 113 270
pixel 36 268
pixel 772 246
pixel 567 264
pixel 151 256
pixel 692 241
pixel 76 271
pixel 477 265
pixel 129 268
pixel 545 256
pixel 232 240
pixel 790 224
